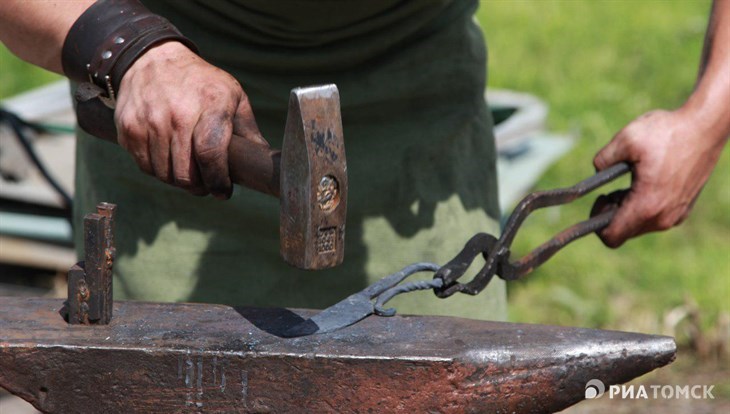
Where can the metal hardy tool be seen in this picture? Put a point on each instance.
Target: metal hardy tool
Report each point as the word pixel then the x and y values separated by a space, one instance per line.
pixel 90 281
pixel 496 253
pixel 308 175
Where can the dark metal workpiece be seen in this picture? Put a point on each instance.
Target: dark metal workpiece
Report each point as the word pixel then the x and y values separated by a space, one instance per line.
pixel 496 252
pixel 213 358
pixel 357 306
pixel 90 282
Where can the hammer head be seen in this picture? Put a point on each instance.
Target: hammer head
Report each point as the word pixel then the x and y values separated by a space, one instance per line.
pixel 313 180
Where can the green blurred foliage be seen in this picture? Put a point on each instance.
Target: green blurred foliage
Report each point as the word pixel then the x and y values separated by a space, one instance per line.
pixel 17 76
pixel 600 64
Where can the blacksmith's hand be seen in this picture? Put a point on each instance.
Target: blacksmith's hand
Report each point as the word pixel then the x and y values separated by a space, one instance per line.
pixel 175 114
pixel 672 157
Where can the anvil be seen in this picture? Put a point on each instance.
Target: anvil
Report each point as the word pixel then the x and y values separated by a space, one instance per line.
pixel 163 357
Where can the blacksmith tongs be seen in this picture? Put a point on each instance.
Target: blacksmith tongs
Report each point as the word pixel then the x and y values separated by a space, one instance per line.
pixel 496 253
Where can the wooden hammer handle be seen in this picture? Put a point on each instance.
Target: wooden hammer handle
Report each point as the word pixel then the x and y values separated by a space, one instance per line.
pixel 251 164
pixel 254 165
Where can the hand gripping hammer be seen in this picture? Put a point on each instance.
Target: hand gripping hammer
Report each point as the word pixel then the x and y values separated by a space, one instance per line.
pixel 308 175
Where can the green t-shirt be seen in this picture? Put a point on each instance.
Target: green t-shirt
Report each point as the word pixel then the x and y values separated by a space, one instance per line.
pixel 418 139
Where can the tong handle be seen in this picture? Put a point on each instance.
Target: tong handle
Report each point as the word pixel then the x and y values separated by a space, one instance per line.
pixel 496 252
pixel 539 255
pixel 541 199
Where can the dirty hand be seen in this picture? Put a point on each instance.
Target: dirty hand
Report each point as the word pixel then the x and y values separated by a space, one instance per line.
pixel 672 158
pixel 175 114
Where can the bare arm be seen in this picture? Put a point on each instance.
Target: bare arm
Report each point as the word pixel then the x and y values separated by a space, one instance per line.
pixel 35 30
pixel 674 152
pixel 177 130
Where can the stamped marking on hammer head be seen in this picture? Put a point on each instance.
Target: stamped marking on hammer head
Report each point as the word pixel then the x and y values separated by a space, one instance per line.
pixel 313 180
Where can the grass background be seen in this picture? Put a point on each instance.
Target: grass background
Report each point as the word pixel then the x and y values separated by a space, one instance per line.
pixel 598 64
pixel 17 76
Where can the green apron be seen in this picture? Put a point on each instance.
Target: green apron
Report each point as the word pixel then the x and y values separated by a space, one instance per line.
pixel 418 139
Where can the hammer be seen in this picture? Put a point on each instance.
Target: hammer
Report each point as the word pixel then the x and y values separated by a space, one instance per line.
pixel 308 175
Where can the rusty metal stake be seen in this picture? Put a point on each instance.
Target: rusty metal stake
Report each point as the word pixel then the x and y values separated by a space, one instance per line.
pixel 90 282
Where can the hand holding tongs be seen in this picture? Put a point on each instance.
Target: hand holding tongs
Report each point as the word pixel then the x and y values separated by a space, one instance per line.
pixel 496 253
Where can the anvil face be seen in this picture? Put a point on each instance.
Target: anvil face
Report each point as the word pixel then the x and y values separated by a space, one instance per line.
pixel 156 357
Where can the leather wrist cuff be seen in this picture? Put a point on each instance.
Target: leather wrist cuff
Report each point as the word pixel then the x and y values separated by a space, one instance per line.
pixel 109 37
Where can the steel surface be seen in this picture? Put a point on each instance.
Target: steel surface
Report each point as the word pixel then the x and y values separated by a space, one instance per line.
pixel 313 180
pixel 156 357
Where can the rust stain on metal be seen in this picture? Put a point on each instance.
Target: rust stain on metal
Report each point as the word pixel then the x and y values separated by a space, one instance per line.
pixel 212 358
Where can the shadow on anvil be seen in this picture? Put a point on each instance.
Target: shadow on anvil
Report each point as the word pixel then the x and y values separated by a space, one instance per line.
pixel 276 321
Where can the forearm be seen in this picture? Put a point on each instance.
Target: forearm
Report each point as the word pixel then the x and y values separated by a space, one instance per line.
pixel 177 130
pixel 674 152
pixel 708 104
pixel 35 30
